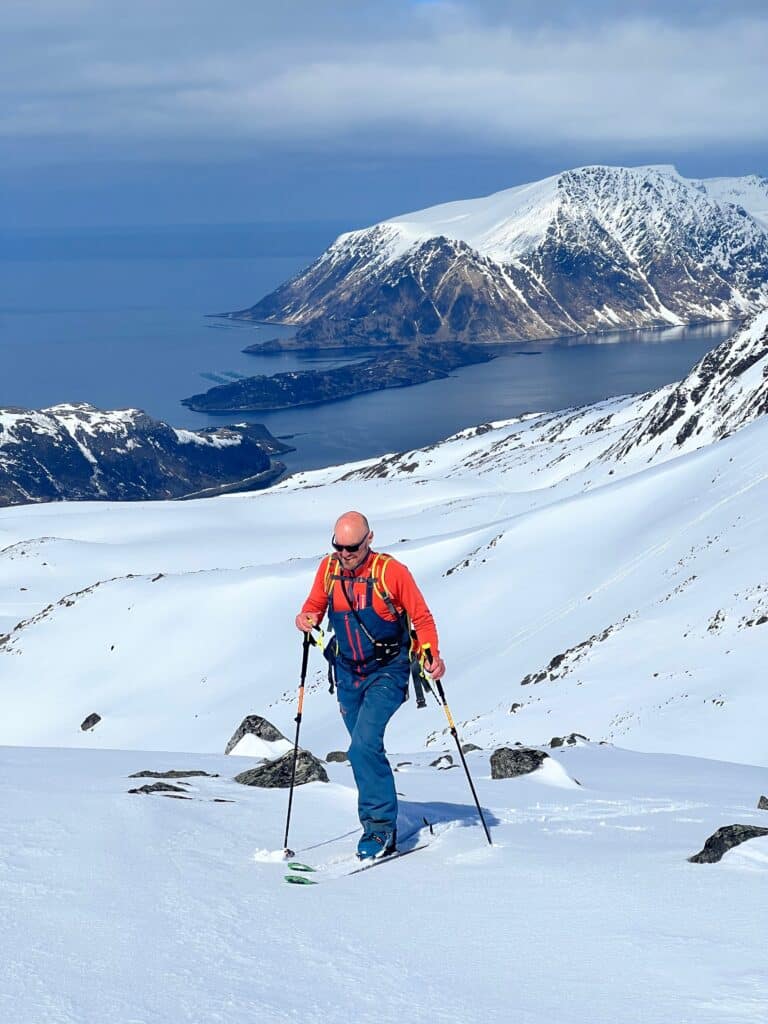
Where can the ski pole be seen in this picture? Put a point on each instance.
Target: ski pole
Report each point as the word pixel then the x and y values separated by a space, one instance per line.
pixel 308 640
pixel 441 700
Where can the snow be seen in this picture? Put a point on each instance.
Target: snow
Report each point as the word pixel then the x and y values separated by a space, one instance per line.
pixel 217 440
pixel 507 225
pixel 749 192
pixel 252 746
pixel 151 910
pixel 623 596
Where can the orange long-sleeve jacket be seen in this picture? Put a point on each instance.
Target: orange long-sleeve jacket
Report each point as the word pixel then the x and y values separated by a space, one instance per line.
pixel 398 583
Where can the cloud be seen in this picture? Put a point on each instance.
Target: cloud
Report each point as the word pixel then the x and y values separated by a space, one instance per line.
pixel 187 71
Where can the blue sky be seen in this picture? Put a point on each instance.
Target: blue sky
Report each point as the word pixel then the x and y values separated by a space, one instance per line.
pixel 185 111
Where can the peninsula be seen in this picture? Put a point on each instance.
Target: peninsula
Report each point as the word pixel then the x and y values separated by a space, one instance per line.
pixel 395 369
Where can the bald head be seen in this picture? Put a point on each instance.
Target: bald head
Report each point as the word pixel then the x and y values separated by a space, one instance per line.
pixel 352 528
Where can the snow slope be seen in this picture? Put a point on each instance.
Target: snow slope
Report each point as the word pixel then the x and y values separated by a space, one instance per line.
pixel 589 571
pixel 148 910
pixel 623 596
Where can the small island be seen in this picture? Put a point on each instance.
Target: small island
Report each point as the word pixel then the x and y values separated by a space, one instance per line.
pixel 397 368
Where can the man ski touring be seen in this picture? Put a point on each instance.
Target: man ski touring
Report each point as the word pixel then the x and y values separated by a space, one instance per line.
pixel 373 604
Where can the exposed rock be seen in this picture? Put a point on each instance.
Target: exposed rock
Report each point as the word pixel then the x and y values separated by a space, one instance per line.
pixel 444 759
pixel 466 747
pixel 720 842
pixel 277 774
pixel 78 452
pixel 762 803
pixel 254 725
pixel 571 739
pixel 515 708
pixel 173 773
pixel 507 763
pixel 337 755
pixel 90 722
pixel 157 787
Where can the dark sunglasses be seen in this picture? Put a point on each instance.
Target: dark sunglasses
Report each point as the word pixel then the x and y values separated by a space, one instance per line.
pixel 351 548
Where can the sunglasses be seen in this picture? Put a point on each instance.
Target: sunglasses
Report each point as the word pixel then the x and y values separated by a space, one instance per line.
pixel 351 548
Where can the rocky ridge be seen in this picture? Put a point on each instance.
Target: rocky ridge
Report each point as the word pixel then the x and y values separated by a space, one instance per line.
pixel 77 452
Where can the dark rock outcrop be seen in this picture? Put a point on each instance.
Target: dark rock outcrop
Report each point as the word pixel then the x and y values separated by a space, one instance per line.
pixel 90 722
pixel 254 725
pixel 720 842
pixel 571 739
pixel 507 763
pixel 762 803
pixel 277 774
pixel 337 755
pixel 441 762
pixel 467 747
pixel 76 452
pixel 157 787
pixel 173 773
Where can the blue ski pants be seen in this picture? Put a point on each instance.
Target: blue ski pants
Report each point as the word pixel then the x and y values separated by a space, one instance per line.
pixel 366 710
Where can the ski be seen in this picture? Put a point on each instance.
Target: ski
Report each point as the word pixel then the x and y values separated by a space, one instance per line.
pixel 301 879
pixel 334 869
pixel 375 862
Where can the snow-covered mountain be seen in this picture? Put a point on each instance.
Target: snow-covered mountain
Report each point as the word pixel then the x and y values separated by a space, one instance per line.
pixel 590 571
pixel 590 249
pixel 76 451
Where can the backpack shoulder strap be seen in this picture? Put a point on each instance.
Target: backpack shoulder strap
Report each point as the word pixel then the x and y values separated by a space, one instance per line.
pixel 331 568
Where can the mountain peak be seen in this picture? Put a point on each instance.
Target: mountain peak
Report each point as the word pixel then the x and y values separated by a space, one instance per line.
pixel 590 249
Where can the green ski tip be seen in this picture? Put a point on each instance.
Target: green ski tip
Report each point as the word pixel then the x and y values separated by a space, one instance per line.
pixel 296 865
pixel 299 880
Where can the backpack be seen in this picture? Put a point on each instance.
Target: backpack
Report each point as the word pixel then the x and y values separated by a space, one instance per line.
pixel 378 571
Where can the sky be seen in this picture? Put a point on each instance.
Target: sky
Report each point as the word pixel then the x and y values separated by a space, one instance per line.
pixel 163 112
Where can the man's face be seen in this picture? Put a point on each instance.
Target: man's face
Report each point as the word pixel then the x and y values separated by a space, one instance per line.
pixel 354 537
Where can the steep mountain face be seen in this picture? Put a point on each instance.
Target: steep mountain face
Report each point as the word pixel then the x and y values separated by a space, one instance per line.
pixel 587 250
pixel 76 451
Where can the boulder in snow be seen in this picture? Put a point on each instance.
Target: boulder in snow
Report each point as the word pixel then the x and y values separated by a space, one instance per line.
pixel 277 774
pixel 571 740
pixel 90 722
pixel 256 737
pixel 441 762
pixel 720 842
pixel 157 787
pixel 762 803
pixel 172 773
pixel 337 755
pixel 507 763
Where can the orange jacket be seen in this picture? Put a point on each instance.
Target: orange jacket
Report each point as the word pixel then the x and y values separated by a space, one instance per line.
pixel 398 583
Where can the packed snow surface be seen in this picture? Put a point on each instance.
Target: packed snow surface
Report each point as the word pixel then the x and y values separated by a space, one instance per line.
pixel 140 909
